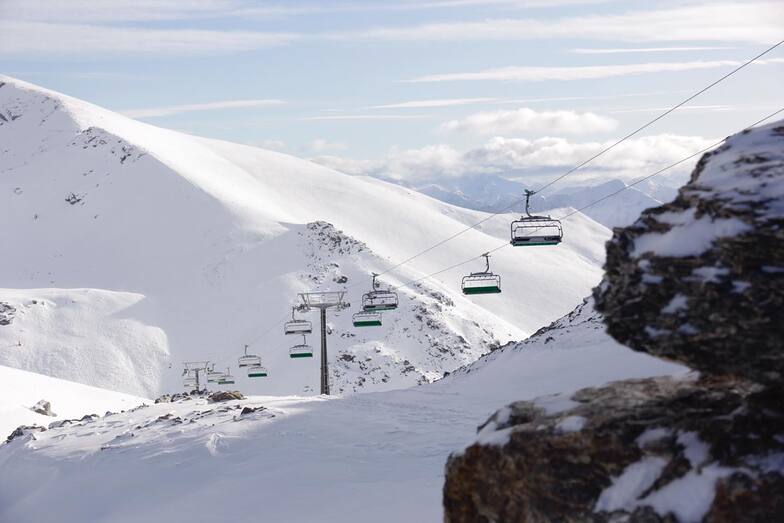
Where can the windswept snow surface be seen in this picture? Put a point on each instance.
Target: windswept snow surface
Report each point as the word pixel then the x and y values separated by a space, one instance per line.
pixel 150 247
pixel 364 457
pixel 20 390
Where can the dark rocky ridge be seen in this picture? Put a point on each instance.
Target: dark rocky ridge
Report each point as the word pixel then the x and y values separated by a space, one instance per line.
pixel 699 281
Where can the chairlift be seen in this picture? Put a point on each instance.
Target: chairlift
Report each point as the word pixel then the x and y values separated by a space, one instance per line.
pixel 535 230
pixel 214 376
pixel 303 350
pixel 482 282
pixel 379 299
pixel 189 382
pixel 257 371
pixel 367 319
pixel 227 378
pixel 248 360
pixel 296 326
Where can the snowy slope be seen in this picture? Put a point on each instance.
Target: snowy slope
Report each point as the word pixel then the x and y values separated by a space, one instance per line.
pixel 20 390
pixel 150 247
pixel 366 457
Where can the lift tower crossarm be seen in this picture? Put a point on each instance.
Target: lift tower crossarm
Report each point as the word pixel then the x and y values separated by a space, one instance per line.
pixel 323 301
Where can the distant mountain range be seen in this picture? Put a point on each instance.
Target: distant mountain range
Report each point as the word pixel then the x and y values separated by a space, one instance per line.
pixel 493 193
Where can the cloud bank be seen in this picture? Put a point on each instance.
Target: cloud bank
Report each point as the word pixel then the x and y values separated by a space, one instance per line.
pixel 521 157
pixel 525 120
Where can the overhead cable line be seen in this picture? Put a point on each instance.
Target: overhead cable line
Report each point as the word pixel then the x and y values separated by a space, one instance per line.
pixel 589 160
pixel 591 204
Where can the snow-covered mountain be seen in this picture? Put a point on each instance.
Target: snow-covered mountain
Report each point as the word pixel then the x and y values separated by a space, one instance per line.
pixel 493 193
pixel 132 248
pixel 364 457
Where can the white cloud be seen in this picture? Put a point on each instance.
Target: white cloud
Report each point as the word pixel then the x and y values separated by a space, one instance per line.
pixel 366 117
pixel 444 102
pixel 622 50
pixel 152 10
pixel 583 98
pixel 21 37
pixel 525 120
pixel 517 156
pixel 151 112
pixel 536 74
pixel 272 145
pixel 320 145
pixel 756 22
pixel 698 108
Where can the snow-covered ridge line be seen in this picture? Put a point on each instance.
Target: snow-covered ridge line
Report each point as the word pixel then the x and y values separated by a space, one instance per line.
pixel 211 240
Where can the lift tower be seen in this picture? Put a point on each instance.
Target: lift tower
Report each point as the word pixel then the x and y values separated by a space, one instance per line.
pixel 323 301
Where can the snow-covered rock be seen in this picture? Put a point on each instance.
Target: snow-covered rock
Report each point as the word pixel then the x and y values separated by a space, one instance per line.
pixel 21 390
pixel 643 451
pixel 701 279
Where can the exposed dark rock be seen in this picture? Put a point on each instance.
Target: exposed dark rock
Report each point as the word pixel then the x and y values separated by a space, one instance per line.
pixel 250 410
pixel 7 312
pixel 528 465
pixel 225 395
pixel 43 407
pixel 24 430
pixel 166 398
pixel 701 280
pixel 74 198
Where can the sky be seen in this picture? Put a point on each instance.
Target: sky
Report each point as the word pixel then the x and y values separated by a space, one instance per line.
pixel 414 90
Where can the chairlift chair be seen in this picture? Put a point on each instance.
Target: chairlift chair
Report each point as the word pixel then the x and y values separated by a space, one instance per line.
pixel 482 282
pixel 189 382
pixel 296 326
pixel 257 371
pixel 535 230
pixel 379 299
pixel 214 376
pixel 248 360
pixel 227 378
pixel 302 350
pixel 367 319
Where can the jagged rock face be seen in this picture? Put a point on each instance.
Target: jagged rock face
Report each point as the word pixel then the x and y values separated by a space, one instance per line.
pixel 701 280
pixel 652 450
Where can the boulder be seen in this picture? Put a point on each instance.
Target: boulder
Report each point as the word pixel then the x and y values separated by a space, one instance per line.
pixel 43 407
pixel 225 395
pixel 651 450
pixel 700 280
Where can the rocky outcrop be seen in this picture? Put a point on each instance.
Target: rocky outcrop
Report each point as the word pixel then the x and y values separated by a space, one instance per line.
pixel 225 395
pixel 7 312
pixel 653 450
pixel 700 280
pixel 43 407
pixel 24 430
